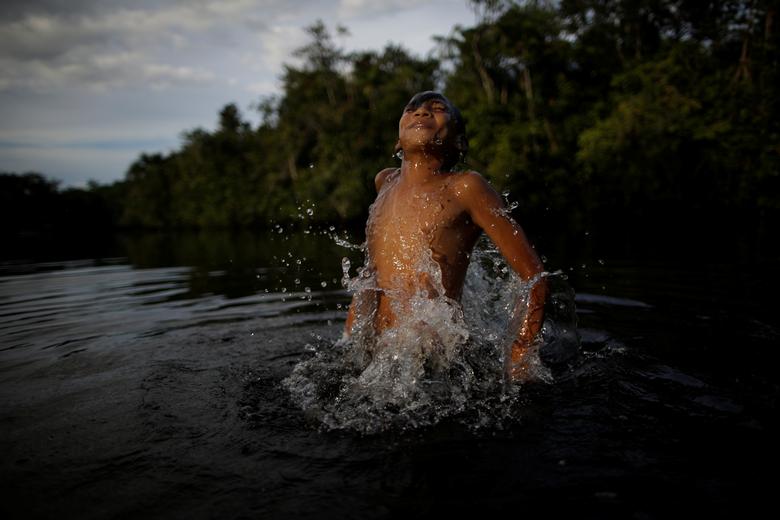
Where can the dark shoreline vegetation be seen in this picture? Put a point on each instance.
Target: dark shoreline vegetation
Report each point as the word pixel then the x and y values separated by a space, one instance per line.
pixel 610 115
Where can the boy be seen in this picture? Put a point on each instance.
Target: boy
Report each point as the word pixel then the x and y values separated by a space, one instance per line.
pixel 423 209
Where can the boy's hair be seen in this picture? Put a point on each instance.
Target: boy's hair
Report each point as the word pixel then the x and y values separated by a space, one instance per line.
pixel 461 141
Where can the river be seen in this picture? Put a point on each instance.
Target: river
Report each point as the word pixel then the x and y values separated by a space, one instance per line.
pixel 141 377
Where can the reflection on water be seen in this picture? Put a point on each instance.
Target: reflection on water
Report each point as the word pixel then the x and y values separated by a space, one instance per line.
pixel 165 283
pixel 146 380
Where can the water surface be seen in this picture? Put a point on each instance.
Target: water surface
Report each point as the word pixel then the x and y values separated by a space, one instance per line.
pixel 144 380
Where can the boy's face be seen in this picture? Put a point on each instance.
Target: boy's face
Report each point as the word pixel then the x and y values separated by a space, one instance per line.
pixel 426 121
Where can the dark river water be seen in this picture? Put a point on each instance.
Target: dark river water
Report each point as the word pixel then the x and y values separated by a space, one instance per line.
pixel 142 378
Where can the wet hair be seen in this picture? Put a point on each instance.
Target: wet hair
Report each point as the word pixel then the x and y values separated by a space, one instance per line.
pixel 461 141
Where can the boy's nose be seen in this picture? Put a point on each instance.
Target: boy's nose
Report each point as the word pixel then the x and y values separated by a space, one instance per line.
pixel 422 110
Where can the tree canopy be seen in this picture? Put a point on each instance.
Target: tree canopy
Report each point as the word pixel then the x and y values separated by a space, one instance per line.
pixel 580 108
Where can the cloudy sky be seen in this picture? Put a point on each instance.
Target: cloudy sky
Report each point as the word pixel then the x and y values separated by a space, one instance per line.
pixel 87 85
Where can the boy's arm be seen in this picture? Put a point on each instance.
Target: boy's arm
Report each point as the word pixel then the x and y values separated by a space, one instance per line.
pixel 487 210
pixel 350 318
pixel 379 181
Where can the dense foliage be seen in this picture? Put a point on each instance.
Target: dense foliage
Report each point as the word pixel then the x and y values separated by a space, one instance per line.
pixel 32 203
pixel 583 109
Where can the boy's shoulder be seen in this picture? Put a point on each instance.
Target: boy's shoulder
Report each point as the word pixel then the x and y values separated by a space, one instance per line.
pixel 465 184
pixel 382 176
pixel 468 178
pixel 469 184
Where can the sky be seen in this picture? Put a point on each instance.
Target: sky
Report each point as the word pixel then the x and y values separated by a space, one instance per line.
pixel 86 86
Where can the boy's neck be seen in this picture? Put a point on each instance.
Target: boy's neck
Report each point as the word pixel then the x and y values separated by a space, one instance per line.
pixel 421 166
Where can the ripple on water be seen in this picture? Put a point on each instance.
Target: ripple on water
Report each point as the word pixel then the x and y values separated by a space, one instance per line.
pixel 69 307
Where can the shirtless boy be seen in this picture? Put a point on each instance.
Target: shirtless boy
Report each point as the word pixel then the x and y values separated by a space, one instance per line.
pixel 425 208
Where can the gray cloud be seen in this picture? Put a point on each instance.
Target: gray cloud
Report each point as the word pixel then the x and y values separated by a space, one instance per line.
pixel 87 85
pixel 14 9
pixel 364 8
pixel 48 46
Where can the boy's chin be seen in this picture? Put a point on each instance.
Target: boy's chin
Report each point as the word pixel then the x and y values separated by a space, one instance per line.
pixel 429 143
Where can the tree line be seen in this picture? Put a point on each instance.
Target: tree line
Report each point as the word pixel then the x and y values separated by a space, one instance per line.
pixel 584 110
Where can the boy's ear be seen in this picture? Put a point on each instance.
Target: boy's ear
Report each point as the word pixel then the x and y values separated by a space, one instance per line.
pixel 462 145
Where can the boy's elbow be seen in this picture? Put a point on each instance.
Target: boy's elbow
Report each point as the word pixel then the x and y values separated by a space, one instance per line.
pixel 535 275
pixel 544 286
pixel 536 262
pixel 531 268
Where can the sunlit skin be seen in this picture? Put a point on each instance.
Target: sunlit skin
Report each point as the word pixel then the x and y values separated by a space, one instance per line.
pixel 422 207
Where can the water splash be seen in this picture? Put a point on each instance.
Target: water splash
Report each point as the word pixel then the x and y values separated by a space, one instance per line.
pixel 441 359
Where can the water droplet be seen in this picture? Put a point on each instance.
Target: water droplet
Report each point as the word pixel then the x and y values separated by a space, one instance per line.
pixel 324 284
pixel 310 212
pixel 601 261
pixel 297 281
pixel 307 289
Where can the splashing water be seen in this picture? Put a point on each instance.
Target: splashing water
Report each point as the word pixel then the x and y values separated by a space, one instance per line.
pixel 442 359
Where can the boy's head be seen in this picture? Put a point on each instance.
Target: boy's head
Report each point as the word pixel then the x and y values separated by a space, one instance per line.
pixel 456 144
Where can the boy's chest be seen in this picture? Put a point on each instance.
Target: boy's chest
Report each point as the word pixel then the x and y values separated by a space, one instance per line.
pixel 423 210
pixel 403 222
